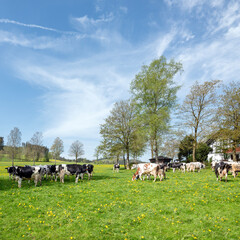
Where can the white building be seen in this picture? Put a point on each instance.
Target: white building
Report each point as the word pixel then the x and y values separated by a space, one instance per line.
pixel 217 153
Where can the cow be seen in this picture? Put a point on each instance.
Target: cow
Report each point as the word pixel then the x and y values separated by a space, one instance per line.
pixel 183 167
pixel 221 170
pixel 52 170
pixel 71 169
pixel 29 172
pixel 195 166
pixel 134 166
pixel 10 171
pixel 235 169
pixel 175 166
pixel 149 168
pixel 88 171
pixel 116 167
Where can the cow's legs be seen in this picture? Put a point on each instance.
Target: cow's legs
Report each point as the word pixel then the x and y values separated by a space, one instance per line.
pixel 19 182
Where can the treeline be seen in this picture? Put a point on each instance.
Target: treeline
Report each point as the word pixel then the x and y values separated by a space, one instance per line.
pixel 34 150
pixel 152 119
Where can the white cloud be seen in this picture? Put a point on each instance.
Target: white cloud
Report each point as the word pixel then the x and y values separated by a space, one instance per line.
pixel 87 23
pixel 124 9
pixel 227 18
pixel 164 42
pixel 8 21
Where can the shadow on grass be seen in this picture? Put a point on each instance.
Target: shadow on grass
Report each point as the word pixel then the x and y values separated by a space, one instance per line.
pixel 6 184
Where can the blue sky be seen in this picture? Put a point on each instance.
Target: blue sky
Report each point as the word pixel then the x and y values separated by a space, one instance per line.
pixel 63 64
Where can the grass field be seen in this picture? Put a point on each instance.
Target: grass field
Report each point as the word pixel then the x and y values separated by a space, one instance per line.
pixel 111 206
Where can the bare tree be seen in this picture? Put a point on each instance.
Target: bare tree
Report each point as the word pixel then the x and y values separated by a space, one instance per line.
pixel 36 142
pixel 228 117
pixel 57 148
pixel 14 142
pixel 198 108
pixel 76 149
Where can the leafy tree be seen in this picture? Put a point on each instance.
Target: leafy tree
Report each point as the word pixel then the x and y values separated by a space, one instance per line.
pixel 36 146
pixel 57 148
pixel 98 151
pixel 1 143
pixel 76 149
pixel 119 128
pixel 197 110
pixel 14 142
pixel 228 116
pixel 154 91
pixel 138 145
pixel 186 147
pixel 202 152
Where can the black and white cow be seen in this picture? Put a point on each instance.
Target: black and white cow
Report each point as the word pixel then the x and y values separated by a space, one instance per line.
pixel 52 170
pixel 221 170
pixel 116 167
pixel 28 172
pixel 175 166
pixel 10 171
pixel 89 170
pixel 71 169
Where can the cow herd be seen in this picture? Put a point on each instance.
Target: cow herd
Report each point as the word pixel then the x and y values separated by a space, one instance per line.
pixel 159 170
pixel 37 173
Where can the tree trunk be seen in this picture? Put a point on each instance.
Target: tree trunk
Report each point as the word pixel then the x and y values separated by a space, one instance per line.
pixel 76 158
pixel 12 159
pixel 128 158
pixel 124 160
pixel 152 147
pixel 156 151
pixel 234 152
pixel 195 145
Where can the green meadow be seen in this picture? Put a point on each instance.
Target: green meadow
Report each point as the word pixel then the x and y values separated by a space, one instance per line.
pixel 111 206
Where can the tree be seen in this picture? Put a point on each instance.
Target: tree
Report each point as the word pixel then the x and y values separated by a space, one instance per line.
pixel 138 145
pixel 57 148
pixel 76 149
pixel 186 147
pixel 154 91
pixel 202 151
pixel 36 146
pixel 198 108
pixel 228 116
pixel 14 142
pixel 171 143
pixel 97 152
pixel 119 128
pixel 1 143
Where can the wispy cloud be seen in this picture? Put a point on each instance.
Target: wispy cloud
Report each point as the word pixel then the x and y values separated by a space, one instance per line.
pixel 8 21
pixel 86 23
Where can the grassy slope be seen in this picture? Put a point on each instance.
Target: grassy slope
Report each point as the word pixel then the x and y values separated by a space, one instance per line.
pixel 111 206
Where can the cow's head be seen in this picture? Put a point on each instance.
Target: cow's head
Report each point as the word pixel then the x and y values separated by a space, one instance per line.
pixel 135 177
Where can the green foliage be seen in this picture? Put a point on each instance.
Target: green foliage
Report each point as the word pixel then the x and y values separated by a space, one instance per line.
pixel 1 143
pixel 111 206
pixel 154 91
pixel 57 148
pixel 185 147
pixel 120 130
pixel 202 152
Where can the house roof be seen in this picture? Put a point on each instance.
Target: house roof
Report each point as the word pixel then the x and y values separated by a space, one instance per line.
pixel 230 150
pixel 162 158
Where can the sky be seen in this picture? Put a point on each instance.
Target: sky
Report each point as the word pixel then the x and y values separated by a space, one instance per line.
pixel 63 64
